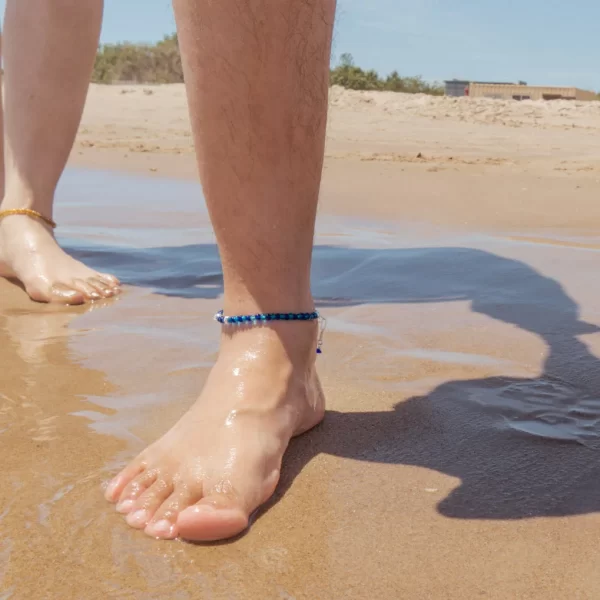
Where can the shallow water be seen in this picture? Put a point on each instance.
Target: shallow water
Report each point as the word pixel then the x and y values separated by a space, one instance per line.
pixel 462 377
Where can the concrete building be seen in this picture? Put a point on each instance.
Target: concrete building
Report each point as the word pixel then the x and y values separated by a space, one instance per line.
pixel 514 91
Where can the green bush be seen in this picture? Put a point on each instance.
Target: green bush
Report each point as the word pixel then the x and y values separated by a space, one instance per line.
pixel 139 63
pixel 351 77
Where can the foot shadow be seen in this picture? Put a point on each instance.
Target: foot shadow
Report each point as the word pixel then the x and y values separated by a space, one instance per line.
pixel 521 447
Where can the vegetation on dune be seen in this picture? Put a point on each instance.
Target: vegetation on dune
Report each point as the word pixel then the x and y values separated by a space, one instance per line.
pixel 161 63
pixel 139 63
pixel 351 77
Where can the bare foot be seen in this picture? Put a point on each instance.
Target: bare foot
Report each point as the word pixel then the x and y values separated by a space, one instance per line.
pixel 29 253
pixel 221 461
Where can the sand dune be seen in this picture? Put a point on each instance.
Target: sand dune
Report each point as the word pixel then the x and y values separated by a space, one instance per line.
pixel 546 115
pixel 137 120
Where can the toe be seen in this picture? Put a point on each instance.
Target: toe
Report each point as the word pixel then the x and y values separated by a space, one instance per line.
pixel 111 280
pixel 164 522
pixel 58 294
pixel 134 490
pixel 101 287
pixel 87 289
pixel 214 518
pixel 145 507
pixel 117 485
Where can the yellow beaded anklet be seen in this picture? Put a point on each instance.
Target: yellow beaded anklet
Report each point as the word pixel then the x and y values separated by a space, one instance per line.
pixel 27 212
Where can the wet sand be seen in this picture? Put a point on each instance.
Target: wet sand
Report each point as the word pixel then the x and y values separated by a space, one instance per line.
pixel 459 456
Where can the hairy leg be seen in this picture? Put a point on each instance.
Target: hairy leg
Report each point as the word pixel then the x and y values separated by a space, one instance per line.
pixel 257 75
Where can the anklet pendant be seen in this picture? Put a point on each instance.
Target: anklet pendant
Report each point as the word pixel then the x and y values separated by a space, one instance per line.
pixel 322 328
pixel 261 318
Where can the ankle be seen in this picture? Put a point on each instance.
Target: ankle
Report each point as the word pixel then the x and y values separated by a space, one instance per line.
pixel 281 343
pixel 23 198
pixel 282 301
pixel 20 223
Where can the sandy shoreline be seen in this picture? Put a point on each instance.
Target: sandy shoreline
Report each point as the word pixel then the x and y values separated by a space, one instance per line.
pixel 438 160
pixel 459 455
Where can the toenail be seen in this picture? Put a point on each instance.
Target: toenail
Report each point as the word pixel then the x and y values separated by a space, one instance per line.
pixel 95 295
pixel 139 517
pixel 125 506
pixel 110 490
pixel 204 508
pixel 162 527
pixel 66 293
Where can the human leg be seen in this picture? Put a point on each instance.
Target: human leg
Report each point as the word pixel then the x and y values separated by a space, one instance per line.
pixel 257 77
pixel 49 50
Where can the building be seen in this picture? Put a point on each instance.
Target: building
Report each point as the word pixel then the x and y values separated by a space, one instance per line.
pixel 514 91
pixel 457 88
pixel 461 87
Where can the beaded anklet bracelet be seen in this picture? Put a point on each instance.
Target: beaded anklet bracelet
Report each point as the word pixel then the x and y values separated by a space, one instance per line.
pixel 262 318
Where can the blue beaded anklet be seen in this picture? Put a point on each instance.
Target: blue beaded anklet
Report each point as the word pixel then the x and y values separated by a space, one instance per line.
pixel 262 318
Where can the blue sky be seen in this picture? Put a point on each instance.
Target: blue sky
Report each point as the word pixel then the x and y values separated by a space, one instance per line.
pixel 553 42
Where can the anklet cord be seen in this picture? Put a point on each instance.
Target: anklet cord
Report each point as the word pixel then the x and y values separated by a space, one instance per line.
pixel 27 212
pixel 262 318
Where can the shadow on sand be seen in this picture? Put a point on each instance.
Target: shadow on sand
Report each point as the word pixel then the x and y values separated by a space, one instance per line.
pixel 460 428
